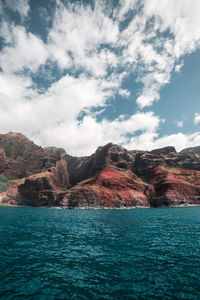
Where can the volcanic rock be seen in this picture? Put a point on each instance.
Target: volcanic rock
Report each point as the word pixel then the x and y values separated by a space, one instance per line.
pixel 192 150
pixel 112 177
pixel 164 151
pixel 109 188
pixel 45 188
pixel 20 157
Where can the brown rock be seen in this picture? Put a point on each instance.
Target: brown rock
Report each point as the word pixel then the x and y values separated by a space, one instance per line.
pixel 20 157
pixel 109 188
pixel 46 188
pixel 111 177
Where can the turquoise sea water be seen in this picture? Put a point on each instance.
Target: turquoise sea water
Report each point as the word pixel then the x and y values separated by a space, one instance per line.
pixel 99 254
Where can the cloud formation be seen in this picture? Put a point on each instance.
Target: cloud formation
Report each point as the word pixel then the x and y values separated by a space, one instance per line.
pixel 56 90
pixel 20 6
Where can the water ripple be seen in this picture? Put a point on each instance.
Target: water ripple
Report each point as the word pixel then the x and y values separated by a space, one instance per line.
pixel 99 254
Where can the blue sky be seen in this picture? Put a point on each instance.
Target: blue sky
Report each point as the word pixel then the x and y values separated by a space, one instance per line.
pixel 79 74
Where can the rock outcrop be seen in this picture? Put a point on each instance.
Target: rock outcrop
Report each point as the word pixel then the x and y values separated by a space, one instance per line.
pixel 20 157
pixel 112 177
pixel 43 189
pixel 81 168
pixel 109 188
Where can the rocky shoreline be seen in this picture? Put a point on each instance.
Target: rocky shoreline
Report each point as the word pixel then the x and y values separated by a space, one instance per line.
pixel 98 208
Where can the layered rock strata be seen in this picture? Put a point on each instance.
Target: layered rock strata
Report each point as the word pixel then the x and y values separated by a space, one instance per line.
pixel 112 177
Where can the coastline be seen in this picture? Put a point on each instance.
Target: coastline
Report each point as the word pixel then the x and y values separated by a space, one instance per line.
pixel 98 208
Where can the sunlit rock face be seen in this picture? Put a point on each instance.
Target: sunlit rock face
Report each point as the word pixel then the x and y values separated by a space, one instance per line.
pixel 112 177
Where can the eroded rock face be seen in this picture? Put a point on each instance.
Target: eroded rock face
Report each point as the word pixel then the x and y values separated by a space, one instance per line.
pixel 109 188
pixel 164 151
pixel 111 177
pixel 46 188
pixel 12 193
pixel 161 177
pixel 81 168
pixel 192 150
pixel 175 186
pixel 20 157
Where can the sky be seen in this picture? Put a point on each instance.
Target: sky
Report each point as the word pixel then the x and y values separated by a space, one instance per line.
pixel 81 74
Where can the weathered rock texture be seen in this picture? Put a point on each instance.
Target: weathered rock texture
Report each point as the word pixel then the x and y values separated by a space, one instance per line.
pixel 20 157
pixel 112 177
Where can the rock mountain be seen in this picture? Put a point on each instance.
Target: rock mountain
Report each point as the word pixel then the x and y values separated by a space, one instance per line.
pixel 112 177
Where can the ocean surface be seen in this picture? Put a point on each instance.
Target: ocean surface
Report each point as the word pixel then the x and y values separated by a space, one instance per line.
pixel 99 254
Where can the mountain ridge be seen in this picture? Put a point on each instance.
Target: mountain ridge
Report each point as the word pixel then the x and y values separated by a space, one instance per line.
pixel 111 177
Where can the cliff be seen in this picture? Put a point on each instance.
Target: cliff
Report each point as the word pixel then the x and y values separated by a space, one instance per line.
pixel 112 177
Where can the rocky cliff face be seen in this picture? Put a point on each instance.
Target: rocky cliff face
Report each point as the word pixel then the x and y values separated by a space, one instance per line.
pixel 108 188
pixel 20 157
pixel 81 168
pixel 112 177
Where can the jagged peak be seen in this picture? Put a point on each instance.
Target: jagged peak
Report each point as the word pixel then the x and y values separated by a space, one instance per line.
pixel 16 135
pixel 110 146
pixel 13 134
pixel 53 149
pixel 164 150
pixel 191 150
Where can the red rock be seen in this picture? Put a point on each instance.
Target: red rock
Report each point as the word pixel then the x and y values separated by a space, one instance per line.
pixel 12 193
pixel 175 187
pixel 108 188
pixel 111 177
pixel 42 189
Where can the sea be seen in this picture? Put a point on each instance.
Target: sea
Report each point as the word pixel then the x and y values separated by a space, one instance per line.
pixel 149 253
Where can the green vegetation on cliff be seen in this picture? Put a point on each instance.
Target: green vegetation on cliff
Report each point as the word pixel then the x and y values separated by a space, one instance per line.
pixel 4 183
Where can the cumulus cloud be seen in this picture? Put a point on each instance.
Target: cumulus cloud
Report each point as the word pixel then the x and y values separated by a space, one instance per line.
pixel 87 135
pixel 51 117
pixel 150 140
pixel 88 53
pixel 26 52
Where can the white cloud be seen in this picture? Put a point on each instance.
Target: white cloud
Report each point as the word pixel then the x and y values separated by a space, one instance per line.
pixel 96 56
pixel 20 6
pixel 179 140
pixel 178 67
pixel 53 114
pixel 124 93
pixel 153 62
pixel 27 51
pixel 196 118
pixel 152 84
pixel 51 118
pixel 81 31
pixel 182 18
pixel 83 138
pixel 150 141
pixel 17 87
pixel 124 7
